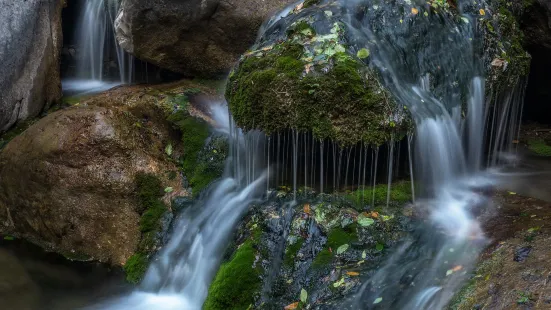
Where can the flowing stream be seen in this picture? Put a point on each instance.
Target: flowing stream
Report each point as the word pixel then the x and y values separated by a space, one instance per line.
pixel 431 65
pixel 95 38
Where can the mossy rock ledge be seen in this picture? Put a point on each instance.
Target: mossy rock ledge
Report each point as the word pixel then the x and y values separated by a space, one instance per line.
pixel 326 245
pixel 308 79
pixel 97 180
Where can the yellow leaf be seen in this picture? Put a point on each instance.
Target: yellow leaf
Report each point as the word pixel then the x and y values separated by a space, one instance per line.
pixel 482 12
pixel 306 208
pixel 292 306
pixel 352 273
pixel 375 214
pixel 414 11
pixel 299 7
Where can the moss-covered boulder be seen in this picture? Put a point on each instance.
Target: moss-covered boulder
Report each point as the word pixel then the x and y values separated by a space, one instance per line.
pixel 317 69
pixel 309 79
pixel 95 181
pixel 325 245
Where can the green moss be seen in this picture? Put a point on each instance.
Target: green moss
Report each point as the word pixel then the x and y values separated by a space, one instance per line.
pixel 336 237
pixel 320 89
pixel 236 281
pixel 15 131
pixel 309 3
pixel 400 192
pixel 194 135
pixel 149 192
pixel 292 251
pixel 539 147
pixel 135 267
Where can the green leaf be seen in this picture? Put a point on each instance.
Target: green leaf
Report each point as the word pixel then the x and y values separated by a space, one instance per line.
pixel 339 283
pixel 168 149
pixel 449 272
pixel 9 238
pixel 169 189
pixel 364 255
pixel 303 295
pixel 379 247
pixel 363 53
pixel 365 221
pixel 378 300
pixel 342 249
pixel 328 13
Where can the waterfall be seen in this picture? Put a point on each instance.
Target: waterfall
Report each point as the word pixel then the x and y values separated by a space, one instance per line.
pixel 98 49
pixel 180 277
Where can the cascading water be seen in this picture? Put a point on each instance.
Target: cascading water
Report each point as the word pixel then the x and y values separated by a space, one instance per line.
pixel 97 44
pixel 181 275
pixel 432 65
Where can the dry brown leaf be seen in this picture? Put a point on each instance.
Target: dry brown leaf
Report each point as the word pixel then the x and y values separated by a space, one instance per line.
pixel 414 11
pixel 375 214
pixel 299 7
pixel 457 268
pixel 306 208
pixel 292 306
pixel 352 273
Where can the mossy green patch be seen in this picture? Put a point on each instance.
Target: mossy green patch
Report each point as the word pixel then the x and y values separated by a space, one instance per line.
pixel 400 192
pixel 135 267
pixel 292 251
pixel 539 147
pixel 236 282
pixel 321 89
pixel 309 3
pixel 18 129
pixel 337 236
pixel 152 209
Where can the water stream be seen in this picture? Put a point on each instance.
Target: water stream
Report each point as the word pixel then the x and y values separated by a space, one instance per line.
pixel 95 38
pixel 429 64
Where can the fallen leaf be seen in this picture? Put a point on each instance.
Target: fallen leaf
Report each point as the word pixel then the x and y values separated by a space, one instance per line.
pixel 306 208
pixel 342 249
pixel 449 272
pixel 307 68
pixel 352 273
pixel 363 53
pixel 365 221
pixel 339 283
pixel 364 255
pixel 267 48
pixel 482 12
pixel 378 300
pixel 516 142
pixel 512 193
pixel 379 247
pixel 414 11
pixel 498 62
pixel 169 189
pixel 457 268
pixel 303 295
pixel 292 306
pixel 375 214
pixel 168 149
pixel 299 6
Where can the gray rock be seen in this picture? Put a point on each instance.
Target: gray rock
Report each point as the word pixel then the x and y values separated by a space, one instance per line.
pixel 196 37
pixel 30 43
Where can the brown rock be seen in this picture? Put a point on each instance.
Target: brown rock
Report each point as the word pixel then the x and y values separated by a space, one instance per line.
pixel 68 182
pixel 195 37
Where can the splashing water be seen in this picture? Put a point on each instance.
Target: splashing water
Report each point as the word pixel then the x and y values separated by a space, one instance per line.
pixel 180 277
pixel 95 38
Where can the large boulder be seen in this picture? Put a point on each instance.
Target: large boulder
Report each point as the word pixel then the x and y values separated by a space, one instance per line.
pixel 342 70
pixel 30 43
pixel 95 181
pixel 195 37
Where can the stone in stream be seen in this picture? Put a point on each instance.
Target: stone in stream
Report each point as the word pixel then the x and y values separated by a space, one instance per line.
pixel 197 37
pixel 95 181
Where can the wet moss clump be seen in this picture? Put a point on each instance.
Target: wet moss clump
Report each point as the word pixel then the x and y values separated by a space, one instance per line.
pixel 400 192
pixel 337 236
pixel 292 251
pixel 236 282
pixel 317 87
pixel 151 209
pixel 539 147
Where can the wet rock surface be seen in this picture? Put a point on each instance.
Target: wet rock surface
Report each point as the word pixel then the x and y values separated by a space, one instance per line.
pixel 95 181
pixel 325 245
pixel 29 47
pixel 198 37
